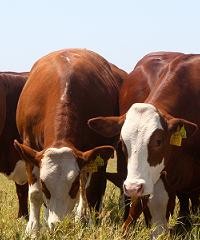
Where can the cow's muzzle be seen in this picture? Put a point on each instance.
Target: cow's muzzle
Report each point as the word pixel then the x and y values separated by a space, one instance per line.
pixel 133 189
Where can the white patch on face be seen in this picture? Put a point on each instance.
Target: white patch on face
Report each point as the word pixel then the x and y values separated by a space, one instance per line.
pixel 19 174
pixel 141 121
pixel 158 201
pixel 58 170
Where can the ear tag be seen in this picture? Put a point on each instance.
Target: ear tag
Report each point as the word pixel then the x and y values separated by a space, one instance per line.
pixel 93 166
pixel 176 138
pixel 99 161
pixel 183 132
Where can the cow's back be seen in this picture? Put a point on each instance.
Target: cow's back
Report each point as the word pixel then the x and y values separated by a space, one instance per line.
pixel 177 94
pixel 143 78
pixel 67 87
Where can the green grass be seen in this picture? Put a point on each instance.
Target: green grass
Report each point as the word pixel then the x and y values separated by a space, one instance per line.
pixel 109 227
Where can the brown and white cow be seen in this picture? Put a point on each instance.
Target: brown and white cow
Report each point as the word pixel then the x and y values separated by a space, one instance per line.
pixel 162 134
pixel 63 91
pixel 11 84
pixel 136 88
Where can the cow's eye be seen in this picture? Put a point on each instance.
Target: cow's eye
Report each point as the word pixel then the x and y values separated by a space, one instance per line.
pixel 157 140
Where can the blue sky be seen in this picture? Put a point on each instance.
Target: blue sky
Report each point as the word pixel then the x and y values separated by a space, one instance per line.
pixel 120 30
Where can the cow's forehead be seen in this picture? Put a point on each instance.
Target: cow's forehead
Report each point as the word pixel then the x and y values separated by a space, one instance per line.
pixel 60 161
pixel 55 152
pixel 141 118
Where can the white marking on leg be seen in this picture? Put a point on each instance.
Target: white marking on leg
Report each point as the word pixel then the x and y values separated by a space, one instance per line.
pixel 158 207
pixel 19 173
pixel 81 211
pixel 35 199
pixel 80 208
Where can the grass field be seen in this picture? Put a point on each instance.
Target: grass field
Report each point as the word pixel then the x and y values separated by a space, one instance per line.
pixel 109 227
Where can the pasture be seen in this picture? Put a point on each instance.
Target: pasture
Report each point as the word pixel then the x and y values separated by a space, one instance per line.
pixel 109 227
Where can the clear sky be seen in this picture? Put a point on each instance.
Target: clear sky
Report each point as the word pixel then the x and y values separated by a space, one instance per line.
pixel 120 30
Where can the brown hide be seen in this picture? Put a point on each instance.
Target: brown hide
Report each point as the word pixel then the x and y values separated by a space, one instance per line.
pixel 178 95
pixel 64 90
pixel 143 78
pixel 11 84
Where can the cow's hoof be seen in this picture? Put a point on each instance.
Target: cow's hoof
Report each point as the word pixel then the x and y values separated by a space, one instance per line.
pixel 32 230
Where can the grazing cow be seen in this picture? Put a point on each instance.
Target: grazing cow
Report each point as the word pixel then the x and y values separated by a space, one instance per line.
pixel 162 134
pixel 135 89
pixel 11 84
pixel 63 91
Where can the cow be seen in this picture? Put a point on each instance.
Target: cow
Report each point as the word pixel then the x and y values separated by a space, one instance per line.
pixel 161 135
pixel 136 88
pixel 11 84
pixel 64 90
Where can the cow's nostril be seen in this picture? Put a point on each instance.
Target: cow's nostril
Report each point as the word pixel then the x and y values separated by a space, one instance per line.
pixel 140 189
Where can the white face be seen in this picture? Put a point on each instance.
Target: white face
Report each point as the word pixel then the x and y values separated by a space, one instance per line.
pixel 58 171
pixel 141 121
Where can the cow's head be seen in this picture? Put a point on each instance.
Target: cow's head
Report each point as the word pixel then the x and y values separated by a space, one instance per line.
pixel 59 170
pixel 146 134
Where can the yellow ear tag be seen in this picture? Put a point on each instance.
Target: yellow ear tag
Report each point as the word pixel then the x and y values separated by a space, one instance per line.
pixel 99 161
pixel 183 132
pixel 93 166
pixel 176 138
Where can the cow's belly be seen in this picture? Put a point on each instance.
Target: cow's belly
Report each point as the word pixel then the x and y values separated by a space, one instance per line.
pixel 18 175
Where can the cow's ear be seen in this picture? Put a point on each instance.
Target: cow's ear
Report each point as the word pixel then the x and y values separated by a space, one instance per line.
pixel 107 126
pixel 28 154
pixel 186 128
pixel 102 153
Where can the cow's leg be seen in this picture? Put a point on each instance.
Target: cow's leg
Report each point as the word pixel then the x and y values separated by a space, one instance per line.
pixel 195 202
pixel 158 207
pixel 22 194
pixel 184 214
pixel 81 211
pixel 122 173
pixel 96 189
pixel 35 200
pixel 127 202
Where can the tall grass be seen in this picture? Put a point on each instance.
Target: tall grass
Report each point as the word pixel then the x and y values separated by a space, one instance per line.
pixel 108 228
